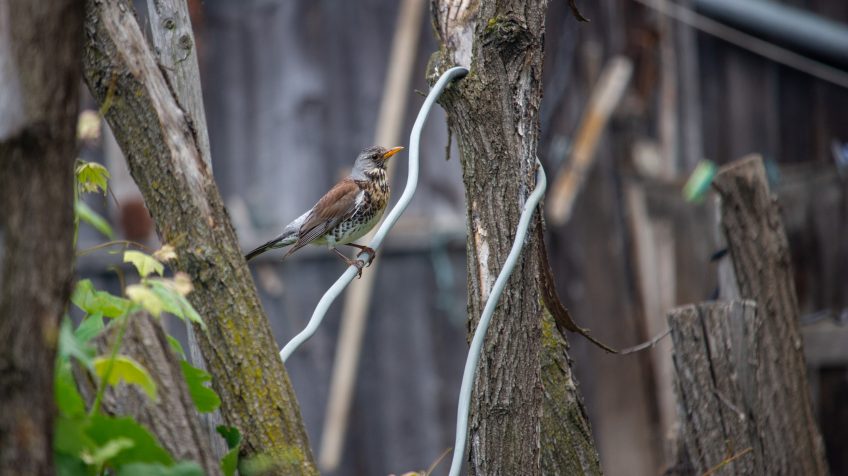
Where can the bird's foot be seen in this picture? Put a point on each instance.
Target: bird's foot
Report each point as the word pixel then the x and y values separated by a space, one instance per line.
pixel 359 266
pixel 371 254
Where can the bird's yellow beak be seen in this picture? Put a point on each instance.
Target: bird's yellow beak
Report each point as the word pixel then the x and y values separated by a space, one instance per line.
pixel 391 152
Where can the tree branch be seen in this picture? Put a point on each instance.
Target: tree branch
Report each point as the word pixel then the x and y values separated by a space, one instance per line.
pixel 165 160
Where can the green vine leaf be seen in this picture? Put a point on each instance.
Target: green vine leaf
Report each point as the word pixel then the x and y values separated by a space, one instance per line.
pixel 185 468
pixel 145 448
pixel 65 392
pixel 144 263
pixel 92 177
pixel 89 328
pixel 171 294
pixel 175 345
pixel 229 462
pixel 142 295
pixel 71 346
pixel 86 214
pixel 126 369
pixel 93 301
pixel 104 453
pixel 204 398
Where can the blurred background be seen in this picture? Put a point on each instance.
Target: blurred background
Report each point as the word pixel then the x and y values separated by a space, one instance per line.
pixel 293 91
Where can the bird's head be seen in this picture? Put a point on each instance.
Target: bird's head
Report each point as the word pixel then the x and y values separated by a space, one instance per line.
pixel 372 159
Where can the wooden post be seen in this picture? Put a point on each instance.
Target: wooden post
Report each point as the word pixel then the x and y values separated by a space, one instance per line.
pixel 762 272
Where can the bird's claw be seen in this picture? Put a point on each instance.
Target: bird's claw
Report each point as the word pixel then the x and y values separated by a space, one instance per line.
pixel 371 254
pixel 359 266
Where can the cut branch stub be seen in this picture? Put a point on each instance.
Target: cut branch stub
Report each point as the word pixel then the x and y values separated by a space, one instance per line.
pixel 715 419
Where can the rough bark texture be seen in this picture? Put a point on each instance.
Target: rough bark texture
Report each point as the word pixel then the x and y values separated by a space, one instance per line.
pixel 762 270
pixel 175 47
pixel 173 419
pixel 39 68
pixel 526 417
pixel 716 424
pixel 165 161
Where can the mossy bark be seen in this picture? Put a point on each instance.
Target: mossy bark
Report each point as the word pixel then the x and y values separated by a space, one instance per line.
pixel 526 414
pixel 164 158
pixel 40 51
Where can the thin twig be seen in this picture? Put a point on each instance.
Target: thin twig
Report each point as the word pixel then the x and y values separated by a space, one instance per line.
pixel 727 461
pixel 645 345
pixel 126 244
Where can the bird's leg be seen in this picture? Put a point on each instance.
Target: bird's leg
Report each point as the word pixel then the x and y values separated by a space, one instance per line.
pixel 351 262
pixel 365 249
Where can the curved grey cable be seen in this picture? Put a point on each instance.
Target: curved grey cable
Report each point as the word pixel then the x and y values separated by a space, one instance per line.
pixel 391 219
pixel 476 347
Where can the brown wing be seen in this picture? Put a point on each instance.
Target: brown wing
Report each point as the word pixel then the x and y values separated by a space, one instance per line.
pixel 336 205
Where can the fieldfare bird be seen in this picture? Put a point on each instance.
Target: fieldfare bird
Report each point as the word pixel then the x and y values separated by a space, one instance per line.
pixel 344 214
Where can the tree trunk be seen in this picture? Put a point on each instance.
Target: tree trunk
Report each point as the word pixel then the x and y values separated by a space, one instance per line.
pixel 762 272
pixel 165 160
pixel 40 46
pixel 526 414
pixel 175 47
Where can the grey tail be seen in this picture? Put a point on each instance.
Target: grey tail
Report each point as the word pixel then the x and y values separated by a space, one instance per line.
pixel 277 242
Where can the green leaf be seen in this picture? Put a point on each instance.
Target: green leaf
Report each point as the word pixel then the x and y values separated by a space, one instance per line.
pixel 144 263
pixel 145 449
pixel 128 370
pixel 141 294
pixel 104 453
pixel 86 214
pixel 93 301
pixel 175 345
pixel 70 346
pixel 184 468
pixel 69 465
pixel 230 434
pixel 204 398
pixel 229 462
pixel 92 177
pixel 69 435
pixel 67 397
pixel 89 328
pixel 174 303
pixel 699 182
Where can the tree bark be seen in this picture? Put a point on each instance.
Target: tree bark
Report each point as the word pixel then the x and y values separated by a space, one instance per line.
pixel 762 272
pixel 716 425
pixel 165 160
pixel 175 47
pixel 173 419
pixel 526 414
pixel 40 47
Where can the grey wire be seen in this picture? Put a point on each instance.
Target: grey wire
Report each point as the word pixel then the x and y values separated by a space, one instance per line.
pixel 411 184
pixel 476 347
pixel 749 42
